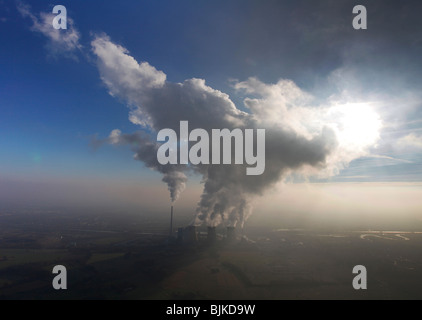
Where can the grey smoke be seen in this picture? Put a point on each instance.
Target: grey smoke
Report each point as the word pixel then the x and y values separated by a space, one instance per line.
pixel 297 139
pixel 145 150
pixel 176 182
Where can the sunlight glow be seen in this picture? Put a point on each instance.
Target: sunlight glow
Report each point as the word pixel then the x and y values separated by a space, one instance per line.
pixel 357 124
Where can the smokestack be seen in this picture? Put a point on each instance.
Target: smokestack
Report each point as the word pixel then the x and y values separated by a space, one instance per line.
pixel 171 221
pixel 212 236
pixel 231 234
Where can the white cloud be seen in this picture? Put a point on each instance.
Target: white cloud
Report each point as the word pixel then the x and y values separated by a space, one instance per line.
pixel 63 41
pixel 121 72
pixel 301 138
pixel 411 140
pixel 356 125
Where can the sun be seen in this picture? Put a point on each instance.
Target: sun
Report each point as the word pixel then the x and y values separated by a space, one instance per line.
pixel 357 125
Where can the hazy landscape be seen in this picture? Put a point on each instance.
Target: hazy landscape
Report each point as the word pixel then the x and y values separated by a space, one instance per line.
pixel 286 135
pixel 127 256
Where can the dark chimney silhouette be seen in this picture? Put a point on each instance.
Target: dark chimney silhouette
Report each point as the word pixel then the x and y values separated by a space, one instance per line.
pixel 171 221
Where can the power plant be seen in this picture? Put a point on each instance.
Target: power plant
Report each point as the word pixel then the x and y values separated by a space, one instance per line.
pixel 211 235
pixel 187 235
pixel 231 234
pixel 190 234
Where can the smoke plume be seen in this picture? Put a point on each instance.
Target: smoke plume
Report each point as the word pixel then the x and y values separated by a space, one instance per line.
pixel 301 139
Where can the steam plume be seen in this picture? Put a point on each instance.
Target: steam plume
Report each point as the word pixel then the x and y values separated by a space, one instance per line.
pixel 300 140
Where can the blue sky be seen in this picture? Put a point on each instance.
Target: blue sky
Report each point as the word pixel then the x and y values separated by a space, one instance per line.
pixel 52 103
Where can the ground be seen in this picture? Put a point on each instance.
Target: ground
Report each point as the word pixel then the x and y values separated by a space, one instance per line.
pixel 135 259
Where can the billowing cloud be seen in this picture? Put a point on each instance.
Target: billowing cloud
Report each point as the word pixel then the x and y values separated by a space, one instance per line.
pixel 145 149
pixel 412 141
pixel 59 41
pixel 301 137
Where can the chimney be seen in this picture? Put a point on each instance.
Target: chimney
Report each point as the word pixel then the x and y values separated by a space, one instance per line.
pixel 212 236
pixel 171 221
